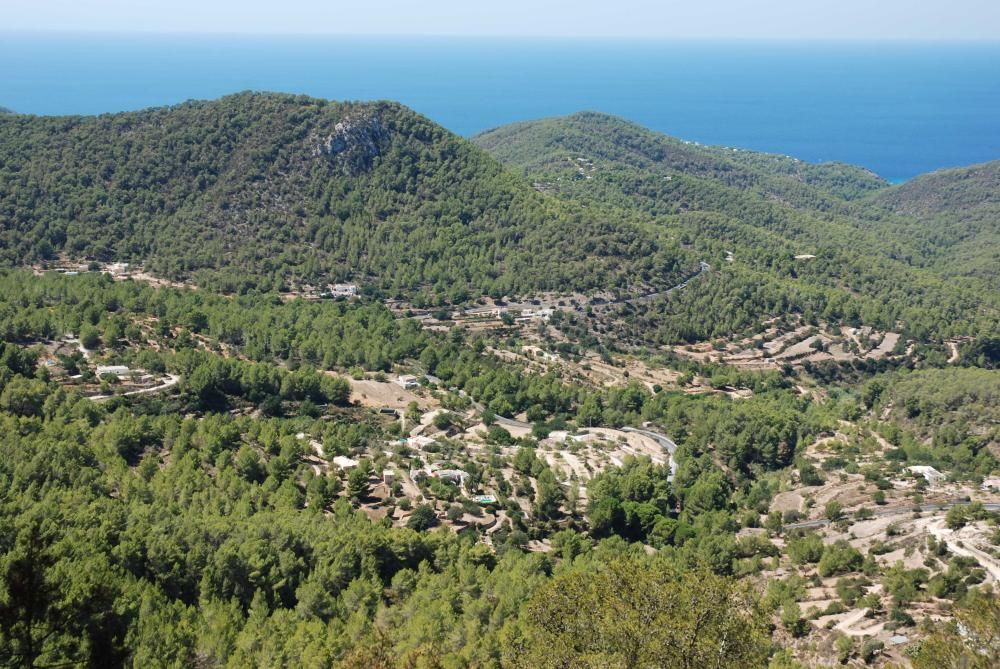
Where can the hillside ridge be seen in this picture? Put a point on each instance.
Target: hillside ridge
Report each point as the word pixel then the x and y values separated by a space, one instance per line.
pixel 260 189
pixel 274 192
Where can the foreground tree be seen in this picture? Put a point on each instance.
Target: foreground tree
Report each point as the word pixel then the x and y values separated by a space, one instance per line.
pixel 971 641
pixel 56 594
pixel 632 614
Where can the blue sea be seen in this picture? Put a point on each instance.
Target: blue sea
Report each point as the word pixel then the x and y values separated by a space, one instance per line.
pixel 899 109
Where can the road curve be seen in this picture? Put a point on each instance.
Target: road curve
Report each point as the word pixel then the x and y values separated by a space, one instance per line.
pixel 498 419
pixel 666 442
pixel 510 422
pixel 169 383
pixel 649 297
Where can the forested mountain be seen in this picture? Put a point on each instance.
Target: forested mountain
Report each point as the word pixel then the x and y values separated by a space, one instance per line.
pixel 955 408
pixel 957 213
pixel 957 191
pixel 267 191
pixel 537 146
pixel 751 214
pixel 254 190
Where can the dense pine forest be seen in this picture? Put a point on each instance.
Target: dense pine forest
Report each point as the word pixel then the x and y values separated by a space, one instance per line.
pixel 290 382
pixel 923 253
pixel 256 191
pixel 267 192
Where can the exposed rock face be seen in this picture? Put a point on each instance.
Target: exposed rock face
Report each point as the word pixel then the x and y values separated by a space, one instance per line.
pixel 355 143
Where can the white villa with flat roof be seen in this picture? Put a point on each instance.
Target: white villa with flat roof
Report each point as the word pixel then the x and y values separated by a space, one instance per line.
pixel 344 462
pixel 121 371
pixel 930 474
pixel 407 381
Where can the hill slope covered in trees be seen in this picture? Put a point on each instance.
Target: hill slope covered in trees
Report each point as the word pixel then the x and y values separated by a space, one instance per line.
pixel 821 239
pixel 268 191
pixel 956 213
pixel 253 190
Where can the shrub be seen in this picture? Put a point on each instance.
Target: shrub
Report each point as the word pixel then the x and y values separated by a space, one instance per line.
pixel 845 648
pixel 850 590
pixel 791 618
pixel 871 649
pixel 806 549
pixel 834 608
pixel 809 475
pixel 839 558
pixel 791 516
pixel 423 518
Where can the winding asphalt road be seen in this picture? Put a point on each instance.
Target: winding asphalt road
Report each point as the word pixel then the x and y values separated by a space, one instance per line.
pixel 649 297
pixel 896 511
pixel 666 442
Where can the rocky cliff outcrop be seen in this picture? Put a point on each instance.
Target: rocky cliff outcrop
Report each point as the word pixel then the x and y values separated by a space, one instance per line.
pixel 355 143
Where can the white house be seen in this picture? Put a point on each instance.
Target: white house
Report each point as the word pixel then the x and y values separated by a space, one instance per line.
pixel 563 437
pixel 419 442
pixel 558 436
pixel 407 381
pixel 537 314
pixel 930 474
pixel 456 476
pixel 121 371
pixel 344 462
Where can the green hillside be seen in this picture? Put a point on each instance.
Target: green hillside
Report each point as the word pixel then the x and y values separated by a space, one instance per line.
pixel 254 190
pixel 548 144
pixel 873 264
pixel 956 214
pixel 957 190
pixel 265 191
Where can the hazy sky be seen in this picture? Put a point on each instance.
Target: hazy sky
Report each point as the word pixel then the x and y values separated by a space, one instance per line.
pixel 747 19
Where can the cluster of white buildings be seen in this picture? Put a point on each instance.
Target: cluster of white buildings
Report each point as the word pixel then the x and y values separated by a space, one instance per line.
pixel 542 313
